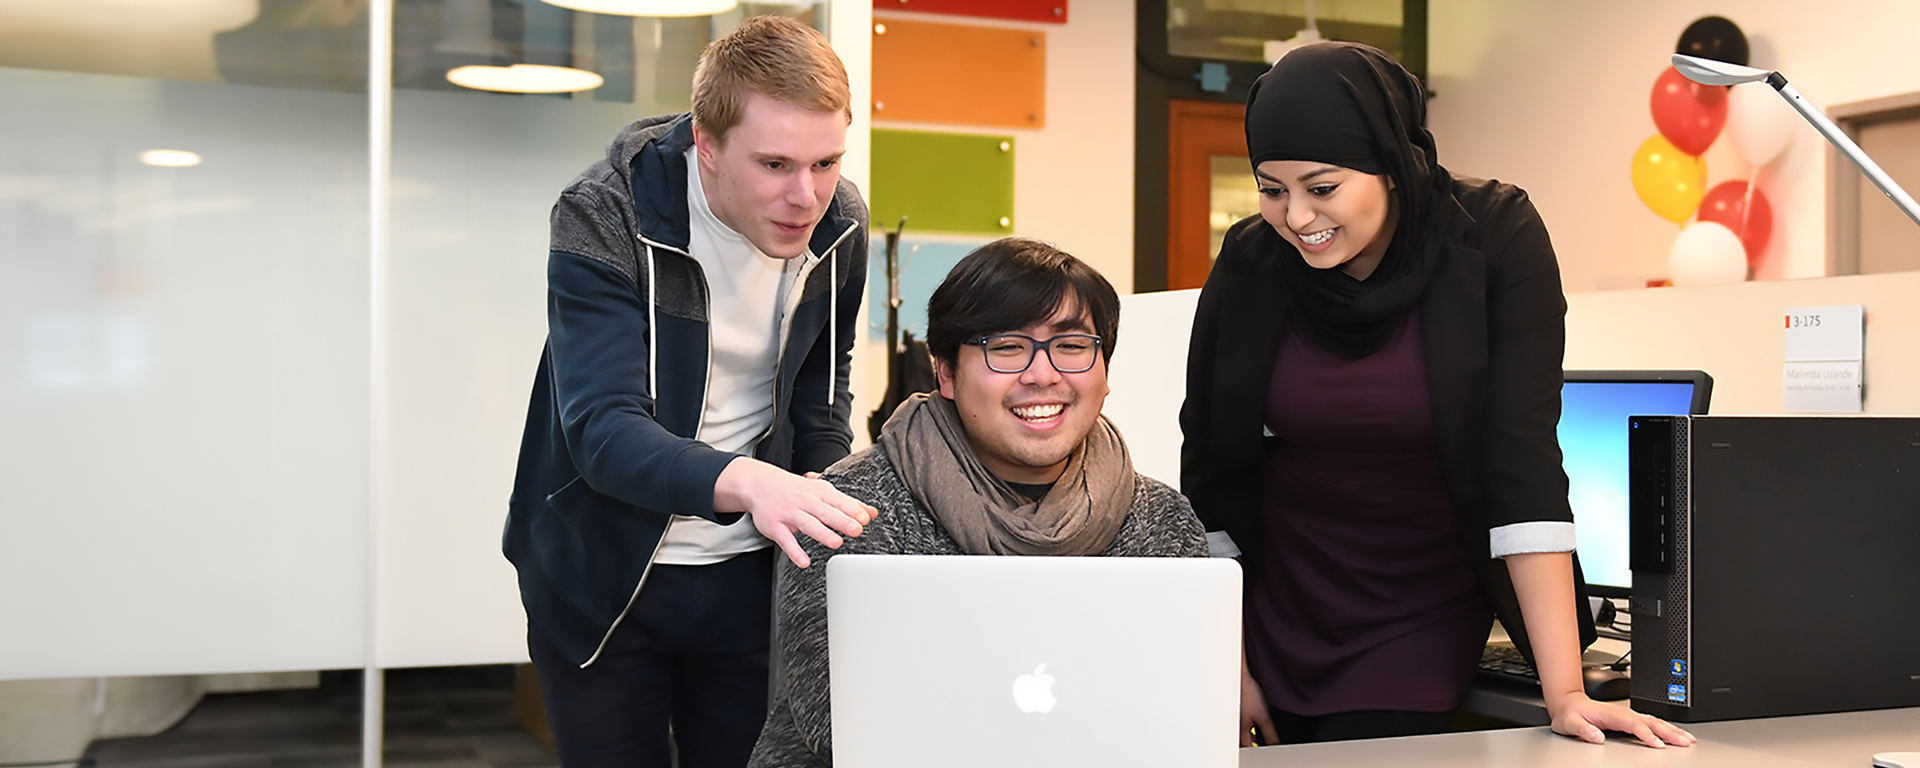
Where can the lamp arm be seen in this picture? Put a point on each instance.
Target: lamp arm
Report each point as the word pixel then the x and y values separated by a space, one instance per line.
pixel 1847 147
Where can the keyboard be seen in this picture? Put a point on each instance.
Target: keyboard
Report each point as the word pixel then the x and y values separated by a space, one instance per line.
pixel 1504 662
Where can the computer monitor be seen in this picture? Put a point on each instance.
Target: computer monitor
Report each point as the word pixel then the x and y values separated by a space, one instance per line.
pixel 1594 407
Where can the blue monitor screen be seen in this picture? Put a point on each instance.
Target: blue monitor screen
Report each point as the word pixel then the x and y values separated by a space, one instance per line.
pixel 1593 441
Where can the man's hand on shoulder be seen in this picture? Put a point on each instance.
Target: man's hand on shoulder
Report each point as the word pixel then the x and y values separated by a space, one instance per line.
pixel 782 504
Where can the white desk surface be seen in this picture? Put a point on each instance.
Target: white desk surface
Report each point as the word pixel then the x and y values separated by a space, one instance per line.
pixel 1846 740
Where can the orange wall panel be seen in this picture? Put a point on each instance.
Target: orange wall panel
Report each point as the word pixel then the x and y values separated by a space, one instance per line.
pixel 928 72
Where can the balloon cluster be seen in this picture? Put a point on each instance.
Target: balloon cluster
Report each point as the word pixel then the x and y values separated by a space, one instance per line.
pixel 1732 221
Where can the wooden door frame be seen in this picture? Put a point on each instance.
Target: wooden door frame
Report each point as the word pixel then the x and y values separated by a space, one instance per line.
pixel 1845 181
pixel 1197 131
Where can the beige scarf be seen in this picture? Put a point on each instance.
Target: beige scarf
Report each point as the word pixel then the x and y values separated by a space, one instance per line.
pixel 1081 515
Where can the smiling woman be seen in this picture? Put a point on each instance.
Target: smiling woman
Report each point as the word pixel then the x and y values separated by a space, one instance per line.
pixel 1337 217
pixel 1373 384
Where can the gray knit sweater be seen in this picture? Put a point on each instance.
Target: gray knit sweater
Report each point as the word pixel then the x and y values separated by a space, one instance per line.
pixel 798 730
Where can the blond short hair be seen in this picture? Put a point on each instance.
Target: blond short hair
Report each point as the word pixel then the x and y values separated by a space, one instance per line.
pixel 773 56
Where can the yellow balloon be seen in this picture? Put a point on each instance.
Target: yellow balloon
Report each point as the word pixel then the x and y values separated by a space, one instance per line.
pixel 1669 181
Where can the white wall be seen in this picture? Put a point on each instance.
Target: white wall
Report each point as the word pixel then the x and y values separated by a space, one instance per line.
pixel 1736 333
pixel 1553 96
pixel 1733 332
pixel 1149 379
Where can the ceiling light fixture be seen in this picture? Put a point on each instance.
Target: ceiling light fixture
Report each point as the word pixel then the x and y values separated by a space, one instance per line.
pixel 666 8
pixel 525 78
pixel 170 158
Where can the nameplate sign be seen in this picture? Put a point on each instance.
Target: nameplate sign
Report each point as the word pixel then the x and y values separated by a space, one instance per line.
pixel 1825 357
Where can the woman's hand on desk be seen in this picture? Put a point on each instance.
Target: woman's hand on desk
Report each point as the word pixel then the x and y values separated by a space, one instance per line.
pixel 1587 720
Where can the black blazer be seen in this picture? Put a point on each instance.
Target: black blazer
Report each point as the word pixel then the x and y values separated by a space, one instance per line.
pixel 1493 327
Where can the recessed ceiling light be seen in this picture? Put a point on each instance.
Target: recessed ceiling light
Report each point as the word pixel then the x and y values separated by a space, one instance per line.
pixel 169 158
pixel 649 7
pixel 525 78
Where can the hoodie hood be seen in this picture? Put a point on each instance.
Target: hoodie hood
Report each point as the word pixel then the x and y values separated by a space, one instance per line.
pixel 649 157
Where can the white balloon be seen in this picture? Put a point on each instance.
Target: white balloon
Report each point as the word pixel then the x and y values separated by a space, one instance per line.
pixel 1760 122
pixel 1706 253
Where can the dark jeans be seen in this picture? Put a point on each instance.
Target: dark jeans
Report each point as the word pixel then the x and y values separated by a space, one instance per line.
pixel 691 655
pixel 1365 724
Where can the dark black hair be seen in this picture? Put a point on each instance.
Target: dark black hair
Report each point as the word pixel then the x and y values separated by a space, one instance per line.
pixel 1014 282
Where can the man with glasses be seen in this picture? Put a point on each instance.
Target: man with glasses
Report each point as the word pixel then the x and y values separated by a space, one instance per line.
pixel 1010 457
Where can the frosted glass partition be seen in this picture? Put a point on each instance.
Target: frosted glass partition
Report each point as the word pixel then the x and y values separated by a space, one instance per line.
pixel 183 377
pixel 188 393
pixel 474 178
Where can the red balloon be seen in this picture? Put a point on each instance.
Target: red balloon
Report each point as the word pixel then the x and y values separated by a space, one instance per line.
pixel 1689 114
pixel 1744 211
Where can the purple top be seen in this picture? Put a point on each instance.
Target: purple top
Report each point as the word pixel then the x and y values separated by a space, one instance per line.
pixel 1365 599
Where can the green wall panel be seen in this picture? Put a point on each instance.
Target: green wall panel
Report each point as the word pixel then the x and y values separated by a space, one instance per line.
pixel 942 182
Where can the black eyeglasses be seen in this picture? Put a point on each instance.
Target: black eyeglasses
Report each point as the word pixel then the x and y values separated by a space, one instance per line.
pixel 1014 352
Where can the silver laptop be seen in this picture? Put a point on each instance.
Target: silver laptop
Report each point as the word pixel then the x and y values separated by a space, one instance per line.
pixel 951 661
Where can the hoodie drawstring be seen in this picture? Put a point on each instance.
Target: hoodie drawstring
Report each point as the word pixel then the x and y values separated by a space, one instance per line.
pixel 653 319
pixel 833 318
pixel 653 334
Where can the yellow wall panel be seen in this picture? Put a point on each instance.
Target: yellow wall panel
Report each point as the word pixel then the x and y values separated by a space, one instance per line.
pixel 959 74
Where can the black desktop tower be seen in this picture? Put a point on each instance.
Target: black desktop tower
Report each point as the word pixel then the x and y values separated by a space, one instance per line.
pixel 1776 565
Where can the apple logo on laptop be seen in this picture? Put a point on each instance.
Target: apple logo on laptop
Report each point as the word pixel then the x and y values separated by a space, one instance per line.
pixel 1034 692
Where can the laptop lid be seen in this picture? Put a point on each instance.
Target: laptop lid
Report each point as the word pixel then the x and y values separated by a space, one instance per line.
pixel 969 661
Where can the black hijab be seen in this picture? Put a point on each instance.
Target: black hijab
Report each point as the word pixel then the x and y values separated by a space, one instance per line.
pixel 1353 106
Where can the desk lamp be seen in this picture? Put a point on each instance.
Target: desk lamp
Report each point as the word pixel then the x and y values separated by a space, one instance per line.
pixel 1710 72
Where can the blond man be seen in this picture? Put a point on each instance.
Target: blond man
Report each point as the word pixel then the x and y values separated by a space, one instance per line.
pixel 703 284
